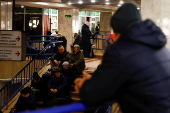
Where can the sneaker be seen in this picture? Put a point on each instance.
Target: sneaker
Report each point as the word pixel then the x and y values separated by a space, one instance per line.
pixel 86 68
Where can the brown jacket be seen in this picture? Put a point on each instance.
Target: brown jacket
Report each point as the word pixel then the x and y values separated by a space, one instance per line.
pixel 78 61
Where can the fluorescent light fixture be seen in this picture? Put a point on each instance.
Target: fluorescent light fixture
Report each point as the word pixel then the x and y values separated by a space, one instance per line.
pixel 8 3
pixel 69 3
pixel 22 6
pixel 42 3
pixel 119 5
pixel 107 3
pixel 106 0
pixel 80 2
pixel 138 8
pixel 93 1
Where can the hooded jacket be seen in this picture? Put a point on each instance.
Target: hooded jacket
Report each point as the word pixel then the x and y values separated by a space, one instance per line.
pixel 134 72
pixel 86 37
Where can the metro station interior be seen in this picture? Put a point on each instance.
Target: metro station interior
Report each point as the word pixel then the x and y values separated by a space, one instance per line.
pixel 39 20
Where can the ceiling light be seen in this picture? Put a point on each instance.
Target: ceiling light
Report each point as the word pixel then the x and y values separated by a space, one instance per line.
pixel 69 3
pixel 107 3
pixel 138 8
pixel 80 2
pixel 8 3
pixel 119 5
pixel 42 3
pixel 121 2
pixel 93 1
pixel 22 6
pixel 106 0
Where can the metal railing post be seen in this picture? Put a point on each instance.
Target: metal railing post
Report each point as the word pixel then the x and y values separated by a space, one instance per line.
pixel 109 109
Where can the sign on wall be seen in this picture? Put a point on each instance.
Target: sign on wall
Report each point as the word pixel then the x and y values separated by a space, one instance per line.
pixel 89 13
pixel 8 38
pixel 10 53
pixel 12 45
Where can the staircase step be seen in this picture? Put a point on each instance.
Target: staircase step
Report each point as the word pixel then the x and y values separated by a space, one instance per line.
pixel 76 99
pixel 75 94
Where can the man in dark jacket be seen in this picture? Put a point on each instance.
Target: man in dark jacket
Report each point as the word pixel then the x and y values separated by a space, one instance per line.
pixel 86 39
pixel 26 101
pixel 57 84
pixel 37 85
pixel 135 70
pixel 60 57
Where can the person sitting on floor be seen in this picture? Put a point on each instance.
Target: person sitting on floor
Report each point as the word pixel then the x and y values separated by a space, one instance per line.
pixel 60 57
pixel 69 72
pixel 77 60
pixel 57 84
pixel 37 85
pixel 26 101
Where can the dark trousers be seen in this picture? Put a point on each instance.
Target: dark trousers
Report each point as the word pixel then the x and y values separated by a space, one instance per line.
pixel 86 52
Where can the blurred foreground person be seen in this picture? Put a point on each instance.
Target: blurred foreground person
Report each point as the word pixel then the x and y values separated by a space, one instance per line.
pixel 135 70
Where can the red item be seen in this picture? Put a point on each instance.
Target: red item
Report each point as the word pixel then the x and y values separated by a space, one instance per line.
pixel 112 36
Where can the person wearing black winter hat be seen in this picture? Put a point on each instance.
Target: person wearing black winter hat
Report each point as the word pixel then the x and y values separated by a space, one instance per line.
pixel 37 85
pixel 135 70
pixel 57 84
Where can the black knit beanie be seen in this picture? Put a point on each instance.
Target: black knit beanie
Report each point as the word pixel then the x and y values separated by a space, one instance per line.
pixel 36 76
pixel 124 17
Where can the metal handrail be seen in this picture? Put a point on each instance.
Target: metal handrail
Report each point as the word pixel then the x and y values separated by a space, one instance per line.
pixel 75 107
pixel 42 36
pixel 9 95
pixel 104 43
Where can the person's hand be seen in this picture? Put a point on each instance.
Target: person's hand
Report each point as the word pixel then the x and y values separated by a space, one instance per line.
pixel 92 33
pixel 80 81
pixel 56 62
pixel 27 95
pixel 13 110
pixel 53 90
pixel 72 64
pixel 71 44
pixel 59 62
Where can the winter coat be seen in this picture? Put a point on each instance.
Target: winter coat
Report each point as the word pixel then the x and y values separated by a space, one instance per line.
pixel 25 103
pixel 61 57
pixel 69 74
pixel 78 61
pixel 134 72
pixel 86 37
pixel 57 83
pixel 78 41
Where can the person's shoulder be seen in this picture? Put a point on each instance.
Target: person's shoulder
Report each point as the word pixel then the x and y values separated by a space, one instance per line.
pixel 63 77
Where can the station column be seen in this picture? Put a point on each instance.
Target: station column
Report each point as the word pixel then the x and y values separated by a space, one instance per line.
pixel 159 12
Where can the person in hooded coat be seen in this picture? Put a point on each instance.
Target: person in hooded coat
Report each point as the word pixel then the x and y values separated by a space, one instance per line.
pixel 135 70
pixel 86 39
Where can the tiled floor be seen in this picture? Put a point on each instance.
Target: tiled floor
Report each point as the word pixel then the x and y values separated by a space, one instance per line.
pixel 92 63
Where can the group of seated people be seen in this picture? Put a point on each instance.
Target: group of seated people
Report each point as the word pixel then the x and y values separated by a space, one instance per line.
pixel 52 89
pixel 55 85
pixel 75 60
